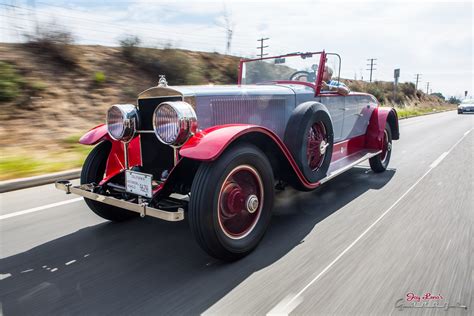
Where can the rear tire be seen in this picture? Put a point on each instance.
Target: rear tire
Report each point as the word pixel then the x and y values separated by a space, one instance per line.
pixel 309 136
pixel 380 162
pixel 231 202
pixel 93 172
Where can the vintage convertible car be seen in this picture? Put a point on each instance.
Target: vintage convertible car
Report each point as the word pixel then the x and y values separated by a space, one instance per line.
pixel 216 154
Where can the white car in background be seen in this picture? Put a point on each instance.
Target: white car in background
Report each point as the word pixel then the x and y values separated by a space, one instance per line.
pixel 466 106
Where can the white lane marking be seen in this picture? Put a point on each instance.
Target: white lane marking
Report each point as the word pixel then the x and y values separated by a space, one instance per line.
pixel 70 262
pixel 3 277
pixel 284 308
pixel 39 208
pixel 439 159
pixel 467 132
pixel 54 270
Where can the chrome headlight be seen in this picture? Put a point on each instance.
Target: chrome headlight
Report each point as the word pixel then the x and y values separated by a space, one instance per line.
pixel 122 122
pixel 174 122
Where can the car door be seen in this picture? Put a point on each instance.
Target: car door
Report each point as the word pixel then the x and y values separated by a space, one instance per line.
pixel 359 108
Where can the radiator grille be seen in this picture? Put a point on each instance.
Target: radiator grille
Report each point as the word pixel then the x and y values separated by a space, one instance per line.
pixel 156 157
pixel 264 111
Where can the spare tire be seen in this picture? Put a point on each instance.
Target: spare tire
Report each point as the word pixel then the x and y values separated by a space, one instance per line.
pixel 309 136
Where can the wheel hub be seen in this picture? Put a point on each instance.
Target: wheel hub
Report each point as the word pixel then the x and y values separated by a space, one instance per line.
pixel 252 203
pixel 240 202
pixel 322 147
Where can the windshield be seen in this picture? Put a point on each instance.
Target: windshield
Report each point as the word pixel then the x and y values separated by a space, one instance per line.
pixel 301 67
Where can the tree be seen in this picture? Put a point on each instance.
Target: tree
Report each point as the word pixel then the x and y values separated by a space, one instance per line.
pixel 454 100
pixel 439 95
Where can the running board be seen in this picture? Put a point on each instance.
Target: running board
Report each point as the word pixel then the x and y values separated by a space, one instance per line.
pixel 342 165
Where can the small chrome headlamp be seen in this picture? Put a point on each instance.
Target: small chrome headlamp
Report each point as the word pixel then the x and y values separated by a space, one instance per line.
pixel 174 122
pixel 122 122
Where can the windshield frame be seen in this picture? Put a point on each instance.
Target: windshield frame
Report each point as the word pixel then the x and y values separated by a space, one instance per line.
pixel 315 85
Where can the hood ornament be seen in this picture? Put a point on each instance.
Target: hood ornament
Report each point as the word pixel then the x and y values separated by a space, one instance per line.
pixel 162 82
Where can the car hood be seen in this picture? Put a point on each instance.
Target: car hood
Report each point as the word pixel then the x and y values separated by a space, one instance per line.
pixel 222 90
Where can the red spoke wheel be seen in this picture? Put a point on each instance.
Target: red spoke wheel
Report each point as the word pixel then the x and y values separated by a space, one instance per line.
pixel 239 201
pixel 380 162
pixel 317 144
pixel 231 202
pixel 309 136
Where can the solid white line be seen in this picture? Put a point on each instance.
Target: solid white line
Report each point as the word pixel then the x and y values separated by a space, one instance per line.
pixel 39 208
pixel 284 309
pixel 467 132
pixel 438 160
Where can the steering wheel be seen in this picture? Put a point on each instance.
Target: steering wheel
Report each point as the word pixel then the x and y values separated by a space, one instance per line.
pixel 307 76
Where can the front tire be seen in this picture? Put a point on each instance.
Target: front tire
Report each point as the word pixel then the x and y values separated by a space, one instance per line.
pixel 380 162
pixel 93 172
pixel 231 202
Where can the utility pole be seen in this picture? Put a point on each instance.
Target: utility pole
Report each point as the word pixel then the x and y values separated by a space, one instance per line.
pixel 261 47
pixel 371 67
pixel 427 87
pixel 417 80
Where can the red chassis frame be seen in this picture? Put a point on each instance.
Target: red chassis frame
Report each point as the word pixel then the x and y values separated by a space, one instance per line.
pixel 209 144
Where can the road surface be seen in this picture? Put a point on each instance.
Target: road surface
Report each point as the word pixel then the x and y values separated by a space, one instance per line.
pixel 356 245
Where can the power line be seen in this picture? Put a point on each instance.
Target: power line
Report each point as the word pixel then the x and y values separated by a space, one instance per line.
pixel 261 47
pixel 371 66
pixel 104 31
pixel 115 25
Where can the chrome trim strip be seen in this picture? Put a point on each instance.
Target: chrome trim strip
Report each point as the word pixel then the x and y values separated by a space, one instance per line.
pixel 146 132
pixel 143 209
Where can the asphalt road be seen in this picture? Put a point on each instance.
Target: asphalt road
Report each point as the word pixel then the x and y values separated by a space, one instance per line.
pixel 354 246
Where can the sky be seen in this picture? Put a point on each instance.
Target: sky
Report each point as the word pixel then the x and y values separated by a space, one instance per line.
pixel 431 38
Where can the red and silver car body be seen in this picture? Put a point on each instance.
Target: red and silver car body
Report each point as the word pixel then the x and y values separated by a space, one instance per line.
pixel 226 116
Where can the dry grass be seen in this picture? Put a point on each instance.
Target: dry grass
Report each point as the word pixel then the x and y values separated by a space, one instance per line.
pixel 54 100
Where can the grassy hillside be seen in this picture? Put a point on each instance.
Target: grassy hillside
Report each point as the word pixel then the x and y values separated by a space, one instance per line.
pixel 50 94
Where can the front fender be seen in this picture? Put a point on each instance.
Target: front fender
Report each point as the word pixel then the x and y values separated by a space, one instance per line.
pixel 209 144
pixel 95 135
pixel 378 120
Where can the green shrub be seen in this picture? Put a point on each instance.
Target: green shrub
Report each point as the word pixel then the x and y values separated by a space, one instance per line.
pixel 408 88
pixel 231 71
pixel 10 82
pixel 37 86
pixel 129 46
pixel 99 77
pixel 376 92
pixel 55 42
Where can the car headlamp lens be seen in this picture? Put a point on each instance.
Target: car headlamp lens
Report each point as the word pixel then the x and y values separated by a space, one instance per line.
pixel 174 122
pixel 122 122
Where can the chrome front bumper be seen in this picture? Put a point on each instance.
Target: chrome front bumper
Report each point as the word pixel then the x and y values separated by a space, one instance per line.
pixel 142 208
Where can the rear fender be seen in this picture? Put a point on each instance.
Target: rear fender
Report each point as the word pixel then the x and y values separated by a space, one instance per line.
pixel 378 120
pixel 209 144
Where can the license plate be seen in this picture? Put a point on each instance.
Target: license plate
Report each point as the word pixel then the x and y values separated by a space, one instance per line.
pixel 138 183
